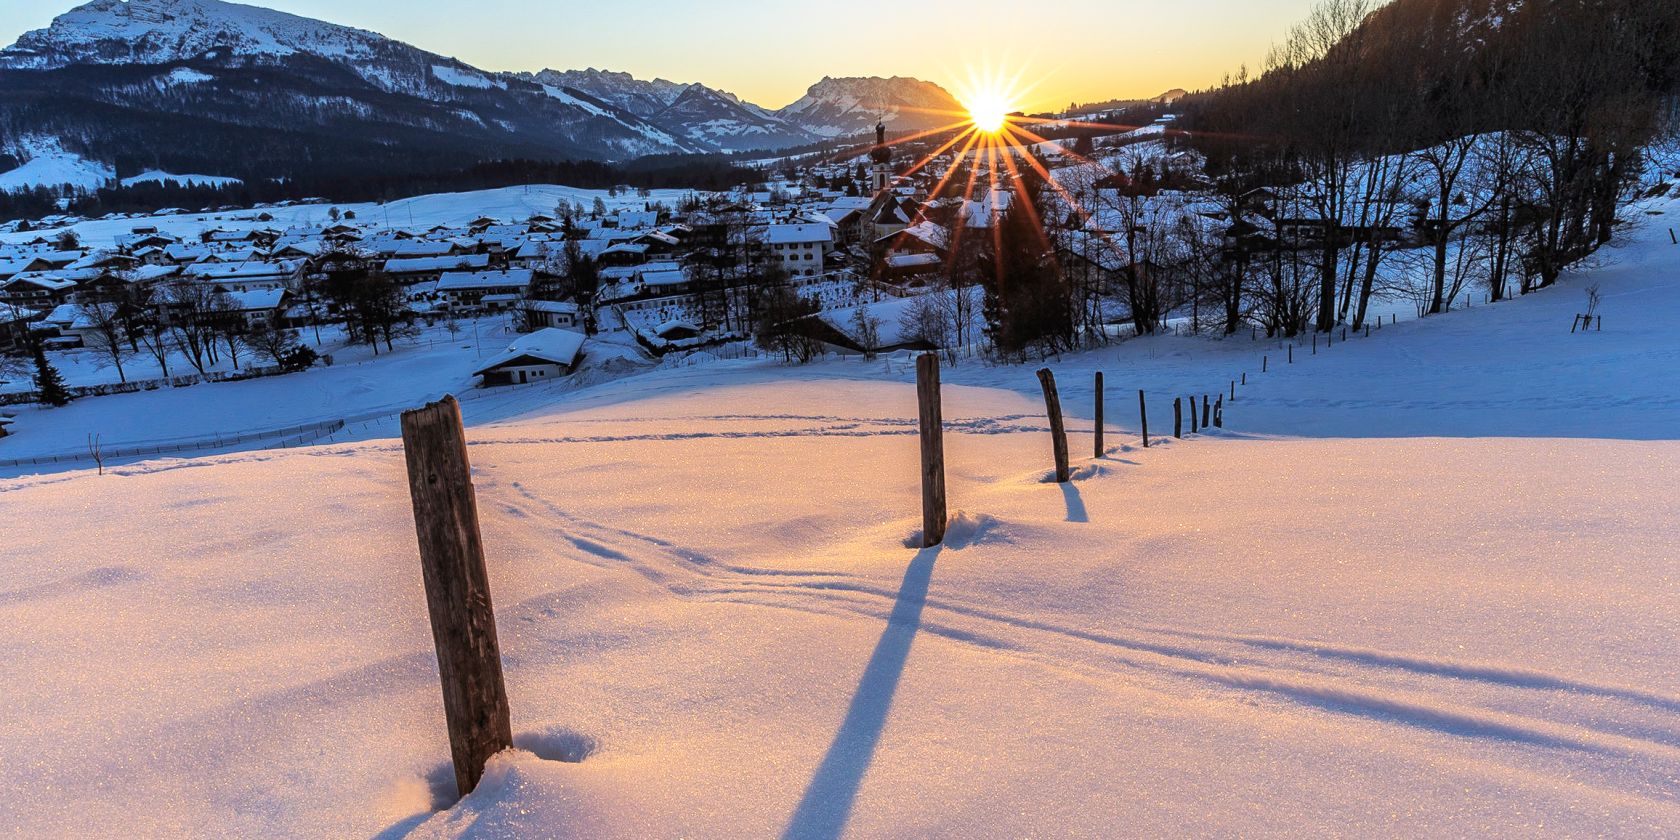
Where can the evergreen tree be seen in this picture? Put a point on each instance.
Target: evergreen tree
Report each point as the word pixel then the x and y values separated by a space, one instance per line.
pixel 48 381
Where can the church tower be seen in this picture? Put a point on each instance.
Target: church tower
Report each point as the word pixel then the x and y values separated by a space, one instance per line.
pixel 880 173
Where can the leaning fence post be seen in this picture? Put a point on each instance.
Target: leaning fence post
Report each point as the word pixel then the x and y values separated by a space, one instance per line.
pixel 933 449
pixel 1178 417
pixel 457 588
pixel 1143 417
pixel 1097 441
pixel 1058 432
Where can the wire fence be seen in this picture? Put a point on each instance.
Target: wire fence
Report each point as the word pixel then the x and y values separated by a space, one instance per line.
pixel 278 439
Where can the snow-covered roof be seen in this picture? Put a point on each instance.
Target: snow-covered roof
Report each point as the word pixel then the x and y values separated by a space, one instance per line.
pixel 258 300
pixel 427 265
pixel 243 271
pixel 461 280
pixel 664 278
pixel 797 234
pixel 912 260
pixel 552 307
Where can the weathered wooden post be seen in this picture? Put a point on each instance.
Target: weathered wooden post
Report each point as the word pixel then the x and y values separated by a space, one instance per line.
pixel 1219 414
pixel 933 449
pixel 1143 417
pixel 457 588
pixel 1097 442
pixel 1574 322
pixel 1292 354
pixel 1194 426
pixel 1263 361
pixel 1315 344
pixel 1672 237
pixel 1234 388
pixel 1178 417
pixel 1058 432
pixel 1207 417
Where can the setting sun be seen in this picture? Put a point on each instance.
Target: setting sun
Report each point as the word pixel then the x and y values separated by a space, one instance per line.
pixel 990 96
pixel 989 112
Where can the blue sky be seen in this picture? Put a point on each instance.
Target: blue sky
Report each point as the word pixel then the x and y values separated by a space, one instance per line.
pixel 769 51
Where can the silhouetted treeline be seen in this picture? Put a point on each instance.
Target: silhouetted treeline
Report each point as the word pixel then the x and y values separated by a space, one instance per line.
pixel 699 172
pixel 1530 120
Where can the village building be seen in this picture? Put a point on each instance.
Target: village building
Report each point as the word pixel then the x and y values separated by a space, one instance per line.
pixel 799 248
pixel 483 290
pixel 535 357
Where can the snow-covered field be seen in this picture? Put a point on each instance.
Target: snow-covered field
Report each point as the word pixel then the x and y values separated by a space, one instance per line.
pixel 421 212
pixel 1424 584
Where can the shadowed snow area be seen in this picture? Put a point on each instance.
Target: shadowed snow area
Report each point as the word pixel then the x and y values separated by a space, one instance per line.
pixel 1423 584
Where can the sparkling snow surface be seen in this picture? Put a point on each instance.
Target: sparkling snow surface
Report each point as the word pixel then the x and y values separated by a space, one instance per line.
pixel 1425 584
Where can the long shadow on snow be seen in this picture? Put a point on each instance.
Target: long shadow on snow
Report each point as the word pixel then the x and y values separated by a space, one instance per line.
pixel 826 807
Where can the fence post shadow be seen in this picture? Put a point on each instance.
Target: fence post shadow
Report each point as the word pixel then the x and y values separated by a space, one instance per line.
pixel 1075 503
pixel 826 805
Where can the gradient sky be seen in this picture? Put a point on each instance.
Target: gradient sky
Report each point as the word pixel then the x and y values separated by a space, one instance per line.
pixel 770 51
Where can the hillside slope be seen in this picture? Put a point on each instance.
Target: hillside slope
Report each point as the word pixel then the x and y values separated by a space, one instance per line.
pixel 1423 584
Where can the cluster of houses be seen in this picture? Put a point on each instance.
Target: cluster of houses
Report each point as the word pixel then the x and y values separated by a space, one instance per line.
pixel 832 229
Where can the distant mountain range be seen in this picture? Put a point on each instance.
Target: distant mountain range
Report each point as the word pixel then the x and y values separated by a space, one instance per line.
pixel 252 93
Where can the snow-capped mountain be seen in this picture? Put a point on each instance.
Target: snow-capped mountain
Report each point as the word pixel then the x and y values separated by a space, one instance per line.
pixel 693 111
pixel 852 106
pixel 644 98
pixel 248 92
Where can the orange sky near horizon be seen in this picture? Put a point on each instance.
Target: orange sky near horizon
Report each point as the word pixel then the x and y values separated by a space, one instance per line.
pixel 770 51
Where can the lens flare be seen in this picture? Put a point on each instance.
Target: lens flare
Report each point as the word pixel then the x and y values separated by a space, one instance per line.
pixel 988 111
pixel 990 97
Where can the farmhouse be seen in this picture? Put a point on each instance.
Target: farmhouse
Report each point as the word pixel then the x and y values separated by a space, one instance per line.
pixel 484 289
pixel 798 247
pixel 545 354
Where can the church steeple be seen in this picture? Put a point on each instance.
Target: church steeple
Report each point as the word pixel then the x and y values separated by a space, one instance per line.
pixel 880 174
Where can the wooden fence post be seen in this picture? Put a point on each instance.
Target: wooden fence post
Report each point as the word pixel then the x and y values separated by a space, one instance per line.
pixel 933 449
pixel 1058 432
pixel 1194 426
pixel 1097 443
pixel 1206 416
pixel 1219 414
pixel 1263 361
pixel 1178 417
pixel 1292 354
pixel 1234 388
pixel 1143 417
pixel 457 588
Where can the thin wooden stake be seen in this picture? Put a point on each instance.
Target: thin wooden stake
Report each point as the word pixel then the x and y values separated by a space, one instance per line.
pixel 1058 432
pixel 933 449
pixel 457 588
pixel 1219 414
pixel 1263 360
pixel 1143 417
pixel 1206 415
pixel 1178 417
pixel 1194 426
pixel 1097 443
pixel 1292 354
